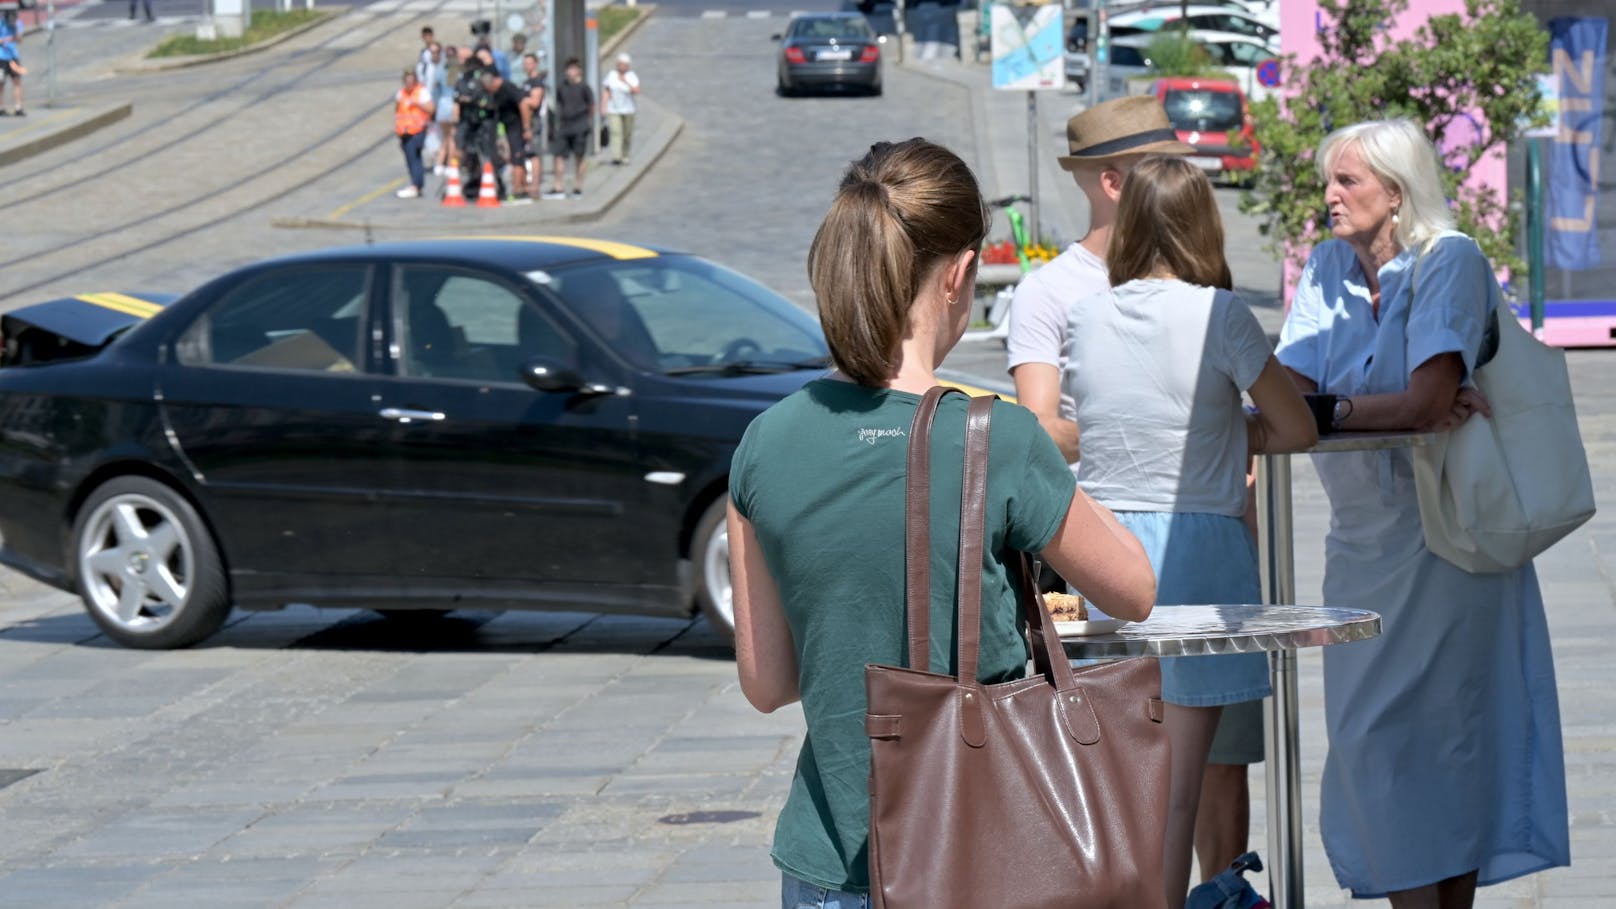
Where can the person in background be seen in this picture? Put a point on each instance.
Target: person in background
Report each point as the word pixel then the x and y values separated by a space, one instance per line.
pixel 11 67
pixel 618 97
pixel 1104 143
pixel 1156 367
pixel 427 40
pixel 447 115
pixel 1446 769
pixel 514 56
pixel 514 119
pixel 477 132
pixel 816 507
pixel 146 4
pixel 433 74
pixel 574 105
pixel 412 117
pixel 534 92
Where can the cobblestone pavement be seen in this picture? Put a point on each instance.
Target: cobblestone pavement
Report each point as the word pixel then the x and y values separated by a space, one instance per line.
pixel 333 759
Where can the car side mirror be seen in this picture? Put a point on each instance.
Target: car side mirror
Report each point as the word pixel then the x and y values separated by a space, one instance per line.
pixel 545 374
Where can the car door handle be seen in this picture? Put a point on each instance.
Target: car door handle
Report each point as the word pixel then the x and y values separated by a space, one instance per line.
pixel 410 416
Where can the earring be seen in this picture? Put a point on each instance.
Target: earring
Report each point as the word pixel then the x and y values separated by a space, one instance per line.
pixel 951 300
pixel 1396 219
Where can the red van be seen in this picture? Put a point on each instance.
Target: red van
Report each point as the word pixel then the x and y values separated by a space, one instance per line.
pixel 1211 115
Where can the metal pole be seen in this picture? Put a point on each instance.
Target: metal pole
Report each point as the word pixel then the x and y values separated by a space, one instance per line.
pixel 1282 734
pixel 592 76
pixel 50 53
pixel 1099 51
pixel 1032 164
pixel 1536 260
pixel 898 20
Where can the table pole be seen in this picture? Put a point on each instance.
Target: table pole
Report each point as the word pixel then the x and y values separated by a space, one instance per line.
pixel 1282 734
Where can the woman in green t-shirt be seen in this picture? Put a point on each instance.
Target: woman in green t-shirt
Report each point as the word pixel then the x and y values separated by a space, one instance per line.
pixel 817 502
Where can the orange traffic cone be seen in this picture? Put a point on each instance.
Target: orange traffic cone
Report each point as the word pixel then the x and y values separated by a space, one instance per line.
pixel 452 196
pixel 487 195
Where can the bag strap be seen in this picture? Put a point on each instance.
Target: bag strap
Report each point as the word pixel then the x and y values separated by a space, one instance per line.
pixel 973 527
pixel 917 529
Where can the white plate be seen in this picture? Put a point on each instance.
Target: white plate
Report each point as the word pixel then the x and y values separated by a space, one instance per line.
pixel 835 55
pixel 1214 165
pixel 1093 626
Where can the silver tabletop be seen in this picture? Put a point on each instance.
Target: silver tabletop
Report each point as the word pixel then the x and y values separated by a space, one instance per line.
pixel 1370 441
pixel 1207 630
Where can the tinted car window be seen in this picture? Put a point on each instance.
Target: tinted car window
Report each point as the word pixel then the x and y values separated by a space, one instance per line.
pixel 1203 110
pixel 841 28
pixel 670 312
pixel 1245 54
pixel 1122 55
pixel 453 324
pixel 304 319
pixel 1225 23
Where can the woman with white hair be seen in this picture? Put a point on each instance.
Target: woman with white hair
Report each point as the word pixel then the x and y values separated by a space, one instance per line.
pixel 1445 767
pixel 618 103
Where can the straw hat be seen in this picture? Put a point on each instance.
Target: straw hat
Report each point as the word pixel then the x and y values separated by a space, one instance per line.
pixel 1135 125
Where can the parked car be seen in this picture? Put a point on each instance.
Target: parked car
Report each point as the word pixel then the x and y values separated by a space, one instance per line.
pixel 499 423
pixel 1127 58
pixel 881 14
pixel 1240 57
pixel 1211 116
pixel 1199 17
pixel 828 51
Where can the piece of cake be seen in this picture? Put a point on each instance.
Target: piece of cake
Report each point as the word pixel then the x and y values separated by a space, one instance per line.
pixel 1066 607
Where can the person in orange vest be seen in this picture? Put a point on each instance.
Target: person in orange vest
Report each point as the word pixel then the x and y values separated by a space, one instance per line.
pixel 412 114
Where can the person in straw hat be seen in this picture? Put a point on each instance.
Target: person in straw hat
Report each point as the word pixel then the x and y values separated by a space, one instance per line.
pixel 1104 143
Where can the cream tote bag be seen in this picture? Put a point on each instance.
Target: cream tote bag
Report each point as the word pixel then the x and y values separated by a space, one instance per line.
pixel 1495 493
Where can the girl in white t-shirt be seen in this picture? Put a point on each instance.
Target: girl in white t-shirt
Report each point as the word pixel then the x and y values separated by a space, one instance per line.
pixel 1156 367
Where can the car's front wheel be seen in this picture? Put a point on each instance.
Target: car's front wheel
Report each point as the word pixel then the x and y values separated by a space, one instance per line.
pixel 709 550
pixel 149 571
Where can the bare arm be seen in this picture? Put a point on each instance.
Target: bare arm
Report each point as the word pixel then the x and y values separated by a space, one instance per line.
pixel 1100 557
pixel 764 653
pixel 1432 402
pixel 1038 390
pixel 1303 384
pixel 1282 422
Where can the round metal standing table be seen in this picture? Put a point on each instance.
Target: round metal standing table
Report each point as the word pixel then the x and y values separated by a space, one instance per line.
pixel 1277 629
pixel 1276 550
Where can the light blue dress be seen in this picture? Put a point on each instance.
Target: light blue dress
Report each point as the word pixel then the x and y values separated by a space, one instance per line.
pixel 1445 753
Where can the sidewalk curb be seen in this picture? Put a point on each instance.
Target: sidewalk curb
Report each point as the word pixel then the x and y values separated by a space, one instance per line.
pixel 48 141
pixel 148 65
pixel 674 128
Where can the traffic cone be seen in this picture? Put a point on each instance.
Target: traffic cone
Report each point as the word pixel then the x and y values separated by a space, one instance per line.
pixel 452 196
pixel 487 196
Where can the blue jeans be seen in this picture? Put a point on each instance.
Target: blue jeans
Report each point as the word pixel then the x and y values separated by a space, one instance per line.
pixel 412 145
pixel 796 894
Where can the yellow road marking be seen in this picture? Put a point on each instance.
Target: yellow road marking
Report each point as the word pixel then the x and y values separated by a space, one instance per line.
pixel 604 247
pixel 123 303
pixel 976 391
pixel 371 196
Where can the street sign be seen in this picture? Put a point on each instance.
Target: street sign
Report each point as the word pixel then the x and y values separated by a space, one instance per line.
pixel 1548 90
pixel 1027 49
pixel 1268 73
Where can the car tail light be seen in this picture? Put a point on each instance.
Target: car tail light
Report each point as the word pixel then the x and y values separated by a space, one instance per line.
pixel 795 55
pixel 871 54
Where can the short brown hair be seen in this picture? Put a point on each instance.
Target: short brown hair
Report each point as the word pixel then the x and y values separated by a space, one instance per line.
pixel 901 209
pixel 1167 220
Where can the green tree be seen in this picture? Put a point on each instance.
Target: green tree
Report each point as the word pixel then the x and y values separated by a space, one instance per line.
pixel 1471 79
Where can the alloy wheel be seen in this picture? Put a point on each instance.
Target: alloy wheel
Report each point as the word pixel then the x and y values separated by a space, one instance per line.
pixel 137 562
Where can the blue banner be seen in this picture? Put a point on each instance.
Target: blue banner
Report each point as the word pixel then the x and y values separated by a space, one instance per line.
pixel 1577 60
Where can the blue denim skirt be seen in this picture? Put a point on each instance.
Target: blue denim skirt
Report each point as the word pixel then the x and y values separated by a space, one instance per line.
pixel 1203 559
pixel 799 894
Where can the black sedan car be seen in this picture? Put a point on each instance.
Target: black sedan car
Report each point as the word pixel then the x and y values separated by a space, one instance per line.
pixel 829 51
pixel 504 423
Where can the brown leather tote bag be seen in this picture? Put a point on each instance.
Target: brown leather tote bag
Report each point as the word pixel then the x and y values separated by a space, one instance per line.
pixel 1049 791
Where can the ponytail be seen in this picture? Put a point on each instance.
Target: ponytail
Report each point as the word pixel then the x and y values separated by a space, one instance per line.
pixel 900 209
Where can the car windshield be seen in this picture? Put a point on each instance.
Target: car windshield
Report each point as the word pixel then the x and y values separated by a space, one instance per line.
pixel 1203 110
pixel 842 28
pixel 682 315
